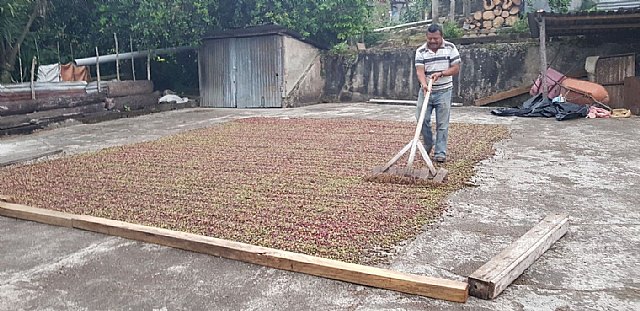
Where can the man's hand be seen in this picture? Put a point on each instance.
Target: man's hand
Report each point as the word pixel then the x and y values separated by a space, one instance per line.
pixel 436 76
pixel 425 87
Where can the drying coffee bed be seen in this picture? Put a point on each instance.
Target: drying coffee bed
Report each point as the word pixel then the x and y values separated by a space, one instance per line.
pixel 291 184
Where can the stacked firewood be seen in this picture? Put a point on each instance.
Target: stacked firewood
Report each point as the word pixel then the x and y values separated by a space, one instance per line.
pixel 496 14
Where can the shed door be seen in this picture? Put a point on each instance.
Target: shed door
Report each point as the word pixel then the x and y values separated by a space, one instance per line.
pixel 258 64
pixel 217 75
pixel 611 72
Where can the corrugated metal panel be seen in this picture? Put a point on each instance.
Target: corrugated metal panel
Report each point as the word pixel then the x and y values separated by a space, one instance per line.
pixel 623 21
pixel 259 63
pixel 611 72
pixel 217 74
pixel 604 5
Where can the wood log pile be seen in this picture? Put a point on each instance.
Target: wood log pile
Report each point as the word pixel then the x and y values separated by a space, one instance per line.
pixel 496 15
pixel 117 99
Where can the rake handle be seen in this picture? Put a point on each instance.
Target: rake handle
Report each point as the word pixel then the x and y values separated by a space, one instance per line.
pixel 416 136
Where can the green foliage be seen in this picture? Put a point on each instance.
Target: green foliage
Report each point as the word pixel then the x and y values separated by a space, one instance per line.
pixel 326 21
pixel 340 48
pixel 17 19
pixel 452 30
pixel 373 38
pixel 416 11
pixel 379 15
pixel 559 6
pixel 81 25
pixel 520 26
pixel 589 5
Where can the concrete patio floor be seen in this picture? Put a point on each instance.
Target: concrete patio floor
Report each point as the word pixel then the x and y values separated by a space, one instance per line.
pixel 588 169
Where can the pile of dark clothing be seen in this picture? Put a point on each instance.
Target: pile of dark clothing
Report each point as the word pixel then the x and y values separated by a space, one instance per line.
pixel 539 106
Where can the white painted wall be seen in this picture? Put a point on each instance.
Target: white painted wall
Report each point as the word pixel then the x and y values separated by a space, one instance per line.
pixel 302 72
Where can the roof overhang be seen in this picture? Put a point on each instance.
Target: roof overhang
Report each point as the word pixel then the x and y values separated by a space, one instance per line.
pixel 586 23
pixel 261 30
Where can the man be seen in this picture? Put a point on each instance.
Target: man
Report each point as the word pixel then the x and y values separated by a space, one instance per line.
pixel 438 60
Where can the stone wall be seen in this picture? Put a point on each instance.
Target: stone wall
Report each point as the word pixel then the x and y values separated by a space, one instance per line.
pixel 487 68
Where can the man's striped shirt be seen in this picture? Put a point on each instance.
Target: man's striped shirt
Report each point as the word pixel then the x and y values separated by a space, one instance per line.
pixel 446 56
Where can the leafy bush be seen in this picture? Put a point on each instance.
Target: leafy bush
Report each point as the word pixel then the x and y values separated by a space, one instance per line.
pixel 373 38
pixel 415 12
pixel 559 6
pixel 452 30
pixel 521 25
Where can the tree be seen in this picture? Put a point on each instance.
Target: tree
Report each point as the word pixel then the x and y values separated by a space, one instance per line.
pixel 326 21
pixel 85 24
pixel 16 19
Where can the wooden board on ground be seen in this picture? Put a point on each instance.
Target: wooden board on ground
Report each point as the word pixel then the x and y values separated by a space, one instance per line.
pixel 502 95
pixel 30 158
pixel 50 103
pixel 376 277
pixel 47 116
pixel 393 101
pixel 135 102
pixel 494 276
pixel 128 88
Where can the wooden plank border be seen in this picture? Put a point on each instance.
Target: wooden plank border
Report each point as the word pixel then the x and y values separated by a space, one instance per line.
pixel 31 157
pixel 359 274
pixel 495 275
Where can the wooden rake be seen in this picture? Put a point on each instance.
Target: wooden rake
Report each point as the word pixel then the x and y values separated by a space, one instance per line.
pixel 415 145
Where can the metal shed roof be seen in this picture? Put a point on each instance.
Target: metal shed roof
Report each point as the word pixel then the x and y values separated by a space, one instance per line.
pixel 261 30
pixel 617 4
pixel 582 23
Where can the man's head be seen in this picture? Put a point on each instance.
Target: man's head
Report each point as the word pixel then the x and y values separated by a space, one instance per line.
pixel 434 36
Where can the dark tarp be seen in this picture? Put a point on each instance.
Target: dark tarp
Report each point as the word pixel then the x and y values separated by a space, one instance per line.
pixel 538 106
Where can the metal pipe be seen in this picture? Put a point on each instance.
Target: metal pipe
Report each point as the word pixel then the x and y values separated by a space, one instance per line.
pixel 90 61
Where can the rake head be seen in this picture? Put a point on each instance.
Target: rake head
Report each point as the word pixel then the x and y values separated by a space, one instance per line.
pixel 407 175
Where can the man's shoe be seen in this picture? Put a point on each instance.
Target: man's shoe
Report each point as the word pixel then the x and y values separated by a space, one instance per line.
pixel 441 159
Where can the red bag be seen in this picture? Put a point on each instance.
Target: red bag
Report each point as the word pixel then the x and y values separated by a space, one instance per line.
pixel 554 78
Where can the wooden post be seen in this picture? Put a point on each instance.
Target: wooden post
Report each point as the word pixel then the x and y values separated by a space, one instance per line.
pixel 149 65
pixel 33 69
pixel 434 11
pixel 59 63
pixel 133 63
pixel 452 10
pixel 466 7
pixel 543 54
pixel 35 41
pixel 98 68
pixel 20 62
pixel 73 60
pixel 115 37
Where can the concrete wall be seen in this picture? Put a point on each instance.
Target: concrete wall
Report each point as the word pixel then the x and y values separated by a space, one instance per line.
pixel 486 69
pixel 302 73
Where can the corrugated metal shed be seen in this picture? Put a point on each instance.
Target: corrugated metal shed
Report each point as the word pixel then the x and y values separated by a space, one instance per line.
pixel 582 23
pixel 247 68
pixel 611 5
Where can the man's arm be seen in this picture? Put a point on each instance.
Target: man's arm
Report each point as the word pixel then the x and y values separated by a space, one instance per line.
pixel 454 67
pixel 422 77
pixel 452 71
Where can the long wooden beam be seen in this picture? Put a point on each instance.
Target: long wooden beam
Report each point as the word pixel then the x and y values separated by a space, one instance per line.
pixel 502 95
pixel 31 157
pixel 359 274
pixel 494 276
